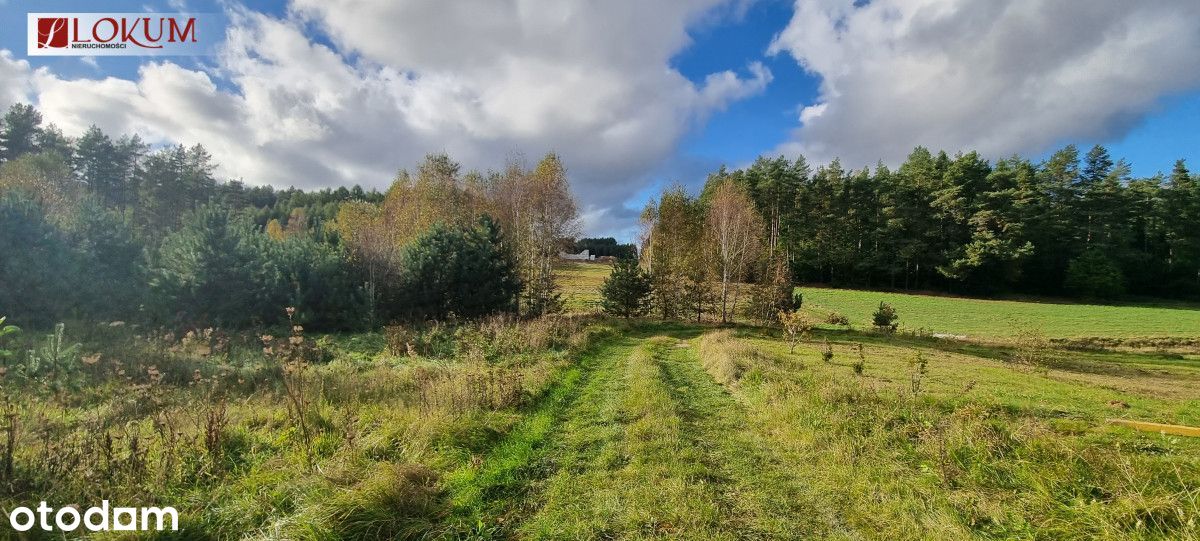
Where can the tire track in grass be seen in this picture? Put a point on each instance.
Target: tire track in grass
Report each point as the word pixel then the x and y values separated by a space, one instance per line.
pixel 636 441
pixel 760 497
pixel 625 468
pixel 486 499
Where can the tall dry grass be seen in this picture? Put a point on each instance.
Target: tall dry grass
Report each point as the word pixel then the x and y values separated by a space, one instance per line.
pixel 724 356
pixel 226 426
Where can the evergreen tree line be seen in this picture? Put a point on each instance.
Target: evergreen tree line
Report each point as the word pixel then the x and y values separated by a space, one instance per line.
pixel 1068 226
pixel 154 188
pixel 111 229
pixel 605 247
pixel 1065 227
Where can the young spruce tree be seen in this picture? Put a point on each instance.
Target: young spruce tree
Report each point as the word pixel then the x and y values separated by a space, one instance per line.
pixel 626 292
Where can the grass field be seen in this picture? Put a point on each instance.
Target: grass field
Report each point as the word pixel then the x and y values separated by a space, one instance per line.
pixel 980 318
pixel 960 316
pixel 580 283
pixel 692 433
pixel 585 428
pixel 986 447
pixel 697 433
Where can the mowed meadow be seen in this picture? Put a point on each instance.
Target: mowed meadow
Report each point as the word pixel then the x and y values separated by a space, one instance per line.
pixel 584 427
pixel 987 318
pixel 964 317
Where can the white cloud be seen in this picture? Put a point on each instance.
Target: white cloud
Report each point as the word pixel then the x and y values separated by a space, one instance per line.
pixel 14 79
pixel 588 79
pixel 996 76
pixel 481 80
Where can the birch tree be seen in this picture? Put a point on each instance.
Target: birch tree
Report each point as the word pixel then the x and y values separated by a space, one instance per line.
pixel 733 229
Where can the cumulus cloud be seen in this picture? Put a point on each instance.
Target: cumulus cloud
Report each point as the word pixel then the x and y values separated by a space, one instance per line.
pixel 14 79
pixel 996 76
pixel 348 91
pixel 590 80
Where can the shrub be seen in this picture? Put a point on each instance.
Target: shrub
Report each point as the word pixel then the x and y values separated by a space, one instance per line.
pixel 836 318
pixel 400 340
pixel 542 295
pixel 216 270
pixel 797 325
pixel 56 364
pixel 108 270
pixel 920 367
pixel 1030 348
pixel 6 330
pixel 762 305
pixel 626 291
pixel 35 262
pixel 885 318
pixel 81 260
pixel 669 299
pixel 860 363
pixel 317 280
pixel 827 352
pixel 428 339
pixel 696 295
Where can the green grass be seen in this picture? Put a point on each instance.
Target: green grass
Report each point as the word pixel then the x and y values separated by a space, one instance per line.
pixel 628 468
pixel 961 316
pixel 580 283
pixel 657 449
pixel 687 433
pixel 627 430
pixel 403 447
pixel 978 318
pixel 987 448
pixel 486 494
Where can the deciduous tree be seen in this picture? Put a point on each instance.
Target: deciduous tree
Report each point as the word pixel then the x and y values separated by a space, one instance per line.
pixel 733 230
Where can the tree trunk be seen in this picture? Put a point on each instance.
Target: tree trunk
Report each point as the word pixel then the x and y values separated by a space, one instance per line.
pixel 724 295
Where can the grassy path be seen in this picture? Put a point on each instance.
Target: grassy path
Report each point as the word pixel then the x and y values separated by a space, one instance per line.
pixel 764 497
pixel 654 448
pixel 487 498
pixel 623 465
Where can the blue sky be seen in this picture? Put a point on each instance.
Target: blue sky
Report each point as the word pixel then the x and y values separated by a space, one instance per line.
pixel 1156 141
pixel 751 126
pixel 634 95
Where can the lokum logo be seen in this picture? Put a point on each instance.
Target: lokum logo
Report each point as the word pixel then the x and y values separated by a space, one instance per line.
pixel 52 32
pixel 79 34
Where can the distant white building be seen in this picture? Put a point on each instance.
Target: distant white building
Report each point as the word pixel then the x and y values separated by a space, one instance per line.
pixel 581 256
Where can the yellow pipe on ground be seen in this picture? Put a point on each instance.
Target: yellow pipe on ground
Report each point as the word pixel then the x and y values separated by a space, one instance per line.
pixel 1178 430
